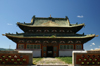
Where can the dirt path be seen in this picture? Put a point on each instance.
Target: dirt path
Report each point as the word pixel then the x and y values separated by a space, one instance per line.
pixel 51 61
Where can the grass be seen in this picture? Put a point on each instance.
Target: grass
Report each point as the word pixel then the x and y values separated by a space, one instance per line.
pixel 66 59
pixel 35 60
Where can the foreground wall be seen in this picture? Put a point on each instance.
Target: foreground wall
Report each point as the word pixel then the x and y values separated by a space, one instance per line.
pixel 86 58
pixel 66 52
pixel 36 53
pixel 16 58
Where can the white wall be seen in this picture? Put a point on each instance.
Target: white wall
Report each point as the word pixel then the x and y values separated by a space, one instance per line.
pixel 37 53
pixel 65 53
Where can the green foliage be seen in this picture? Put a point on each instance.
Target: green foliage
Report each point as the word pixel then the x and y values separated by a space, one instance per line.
pixel 53 36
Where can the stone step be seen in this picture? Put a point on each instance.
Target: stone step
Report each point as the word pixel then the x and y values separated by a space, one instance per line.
pixel 52 65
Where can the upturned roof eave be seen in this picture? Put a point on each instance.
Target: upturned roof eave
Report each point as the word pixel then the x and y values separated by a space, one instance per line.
pixel 87 36
pixel 48 26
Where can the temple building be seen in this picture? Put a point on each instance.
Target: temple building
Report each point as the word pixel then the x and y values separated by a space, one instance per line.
pixel 49 37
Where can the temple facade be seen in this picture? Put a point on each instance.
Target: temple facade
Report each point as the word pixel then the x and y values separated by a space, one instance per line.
pixel 49 37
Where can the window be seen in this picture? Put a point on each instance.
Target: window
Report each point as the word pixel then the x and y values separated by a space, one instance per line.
pixel 60 46
pixel 78 47
pixel 55 48
pixel 34 46
pixel 31 46
pixel 67 46
pixel 44 48
pixel 20 46
pixel 64 46
pixel 38 46
pixel 27 46
pixel 71 46
pixel 54 54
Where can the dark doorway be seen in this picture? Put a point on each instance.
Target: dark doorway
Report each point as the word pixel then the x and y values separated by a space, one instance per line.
pixel 49 51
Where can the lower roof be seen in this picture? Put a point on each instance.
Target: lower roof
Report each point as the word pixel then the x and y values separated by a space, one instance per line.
pixel 23 35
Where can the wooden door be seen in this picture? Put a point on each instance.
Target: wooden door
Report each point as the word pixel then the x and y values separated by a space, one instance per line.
pixel 44 48
pixel 55 51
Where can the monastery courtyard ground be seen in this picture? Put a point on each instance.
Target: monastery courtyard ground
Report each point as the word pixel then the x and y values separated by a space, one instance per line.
pixel 53 61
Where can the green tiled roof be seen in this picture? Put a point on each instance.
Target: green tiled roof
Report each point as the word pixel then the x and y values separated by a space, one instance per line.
pixel 22 35
pixel 50 22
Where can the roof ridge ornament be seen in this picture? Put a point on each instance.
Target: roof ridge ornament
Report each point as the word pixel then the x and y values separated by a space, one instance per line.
pixel 50 15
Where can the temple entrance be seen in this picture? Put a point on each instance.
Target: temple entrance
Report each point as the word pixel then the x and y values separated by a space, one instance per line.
pixel 49 51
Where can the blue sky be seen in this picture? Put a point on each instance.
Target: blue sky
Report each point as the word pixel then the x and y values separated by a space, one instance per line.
pixel 81 11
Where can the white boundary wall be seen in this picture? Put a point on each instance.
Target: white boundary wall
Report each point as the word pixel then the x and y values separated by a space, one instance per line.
pixel 65 53
pixel 36 53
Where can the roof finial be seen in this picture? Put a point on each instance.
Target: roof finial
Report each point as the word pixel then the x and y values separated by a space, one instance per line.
pixel 50 15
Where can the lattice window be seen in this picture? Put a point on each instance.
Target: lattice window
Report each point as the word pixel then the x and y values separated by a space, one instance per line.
pixel 78 47
pixel 44 48
pixel 61 46
pixel 67 46
pixel 21 46
pixel 55 48
pixel 38 46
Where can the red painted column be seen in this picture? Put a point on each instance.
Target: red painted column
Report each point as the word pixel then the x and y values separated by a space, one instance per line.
pixel 24 45
pixel 82 46
pixel 17 46
pixel 74 46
